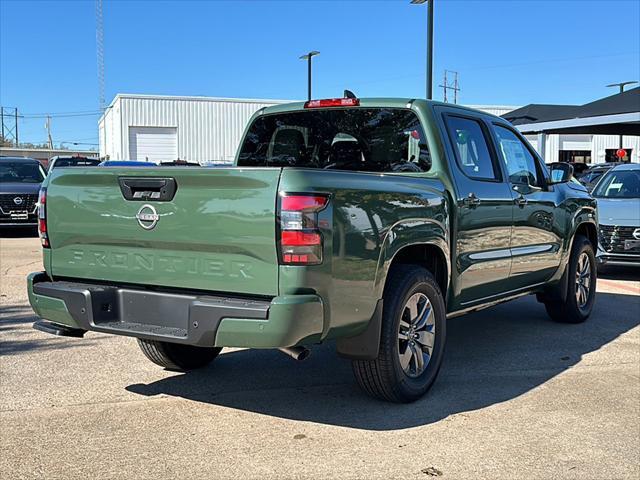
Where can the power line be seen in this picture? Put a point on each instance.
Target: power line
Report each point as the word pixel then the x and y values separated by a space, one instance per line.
pixel 60 114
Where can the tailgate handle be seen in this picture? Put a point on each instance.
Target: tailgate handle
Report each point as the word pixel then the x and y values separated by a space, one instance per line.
pixel 143 189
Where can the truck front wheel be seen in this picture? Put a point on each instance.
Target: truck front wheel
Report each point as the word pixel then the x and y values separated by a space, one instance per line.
pixel 411 341
pixel 175 356
pixel 581 293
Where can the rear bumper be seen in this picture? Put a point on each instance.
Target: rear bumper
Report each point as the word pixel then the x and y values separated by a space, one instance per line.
pixel 8 222
pixel 193 319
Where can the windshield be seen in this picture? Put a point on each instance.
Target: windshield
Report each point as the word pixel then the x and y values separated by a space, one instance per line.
pixel 20 172
pixel 619 184
pixel 591 177
pixel 362 139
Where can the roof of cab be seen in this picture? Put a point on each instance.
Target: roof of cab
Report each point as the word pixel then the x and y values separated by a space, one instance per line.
pixel 370 103
pixel 19 159
pixel 627 166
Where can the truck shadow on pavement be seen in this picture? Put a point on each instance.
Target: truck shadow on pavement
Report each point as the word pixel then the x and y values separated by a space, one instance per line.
pixel 492 356
pixel 619 273
pixel 19 232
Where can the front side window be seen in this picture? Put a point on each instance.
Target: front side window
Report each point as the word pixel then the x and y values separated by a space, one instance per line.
pixel 471 148
pixel 619 184
pixel 357 139
pixel 520 163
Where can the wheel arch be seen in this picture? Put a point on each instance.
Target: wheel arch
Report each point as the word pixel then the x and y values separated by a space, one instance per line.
pixel 423 243
pixel 427 255
pixel 589 230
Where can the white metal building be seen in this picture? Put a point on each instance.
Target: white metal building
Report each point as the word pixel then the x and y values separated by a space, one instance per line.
pixel 585 148
pixel 163 128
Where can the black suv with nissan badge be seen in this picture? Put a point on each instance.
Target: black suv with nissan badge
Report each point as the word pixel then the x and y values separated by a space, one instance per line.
pixel 20 180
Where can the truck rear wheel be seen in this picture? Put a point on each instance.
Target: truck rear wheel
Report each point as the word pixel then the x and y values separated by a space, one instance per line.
pixel 412 338
pixel 175 356
pixel 581 290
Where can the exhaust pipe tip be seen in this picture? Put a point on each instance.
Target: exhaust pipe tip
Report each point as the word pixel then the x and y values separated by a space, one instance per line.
pixel 297 353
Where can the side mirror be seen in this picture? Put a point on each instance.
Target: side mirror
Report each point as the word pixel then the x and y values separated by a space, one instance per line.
pixel 560 172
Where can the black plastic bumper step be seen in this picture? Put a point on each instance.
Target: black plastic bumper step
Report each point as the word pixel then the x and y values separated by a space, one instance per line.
pixel 57 329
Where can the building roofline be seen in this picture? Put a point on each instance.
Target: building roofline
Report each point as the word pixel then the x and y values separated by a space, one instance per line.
pixel 579 122
pixel 47 150
pixel 200 98
pixel 496 107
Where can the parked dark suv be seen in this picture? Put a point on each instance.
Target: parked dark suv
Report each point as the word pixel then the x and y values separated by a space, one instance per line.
pixel 20 180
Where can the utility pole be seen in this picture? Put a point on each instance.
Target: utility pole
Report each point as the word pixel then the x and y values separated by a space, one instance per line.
pixel 446 86
pixel 308 57
pixel 48 127
pixel 100 53
pixel 429 44
pixel 621 85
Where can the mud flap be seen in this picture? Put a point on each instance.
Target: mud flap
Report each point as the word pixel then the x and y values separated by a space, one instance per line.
pixel 365 345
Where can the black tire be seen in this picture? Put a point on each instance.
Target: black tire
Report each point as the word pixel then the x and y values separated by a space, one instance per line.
pixel 175 356
pixel 384 377
pixel 571 311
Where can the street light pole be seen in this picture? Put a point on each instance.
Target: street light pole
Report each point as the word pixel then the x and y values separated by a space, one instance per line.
pixel 308 58
pixel 621 85
pixel 429 44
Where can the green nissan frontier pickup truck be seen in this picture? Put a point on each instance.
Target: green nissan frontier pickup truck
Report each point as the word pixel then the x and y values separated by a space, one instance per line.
pixel 364 221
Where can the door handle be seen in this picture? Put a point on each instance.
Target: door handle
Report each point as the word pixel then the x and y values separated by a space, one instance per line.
pixel 471 200
pixel 521 201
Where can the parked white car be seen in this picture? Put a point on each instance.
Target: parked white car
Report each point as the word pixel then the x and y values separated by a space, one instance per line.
pixel 618 197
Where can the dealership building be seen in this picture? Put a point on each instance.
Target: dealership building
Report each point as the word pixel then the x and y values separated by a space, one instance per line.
pixel 208 129
pixel 589 133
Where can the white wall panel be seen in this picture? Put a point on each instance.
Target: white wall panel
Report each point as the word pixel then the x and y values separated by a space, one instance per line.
pixel 552 148
pixel 575 142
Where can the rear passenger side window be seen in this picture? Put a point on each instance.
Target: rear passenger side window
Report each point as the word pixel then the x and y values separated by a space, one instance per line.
pixel 471 148
pixel 521 166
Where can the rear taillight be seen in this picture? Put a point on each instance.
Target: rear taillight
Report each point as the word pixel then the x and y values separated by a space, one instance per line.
pixel 300 237
pixel 332 102
pixel 42 218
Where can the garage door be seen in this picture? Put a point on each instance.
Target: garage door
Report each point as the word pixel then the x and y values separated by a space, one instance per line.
pixel 153 144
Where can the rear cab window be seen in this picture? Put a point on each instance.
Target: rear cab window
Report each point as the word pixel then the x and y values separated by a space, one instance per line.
pixel 355 139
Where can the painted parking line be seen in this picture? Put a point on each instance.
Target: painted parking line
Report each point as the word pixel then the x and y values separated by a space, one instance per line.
pixel 629 287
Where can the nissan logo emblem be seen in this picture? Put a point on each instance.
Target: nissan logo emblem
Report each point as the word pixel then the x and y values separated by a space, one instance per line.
pixel 147 217
pixel 636 234
pixel 18 200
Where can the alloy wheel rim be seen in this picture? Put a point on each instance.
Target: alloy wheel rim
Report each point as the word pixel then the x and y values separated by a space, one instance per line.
pixel 416 335
pixel 583 280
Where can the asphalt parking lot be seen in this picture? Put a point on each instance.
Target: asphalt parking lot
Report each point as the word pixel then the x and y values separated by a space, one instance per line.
pixel 519 397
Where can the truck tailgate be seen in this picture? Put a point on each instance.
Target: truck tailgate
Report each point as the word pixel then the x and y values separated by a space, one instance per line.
pixel 218 233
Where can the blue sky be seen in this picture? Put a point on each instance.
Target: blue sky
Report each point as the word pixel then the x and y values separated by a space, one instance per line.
pixel 507 52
